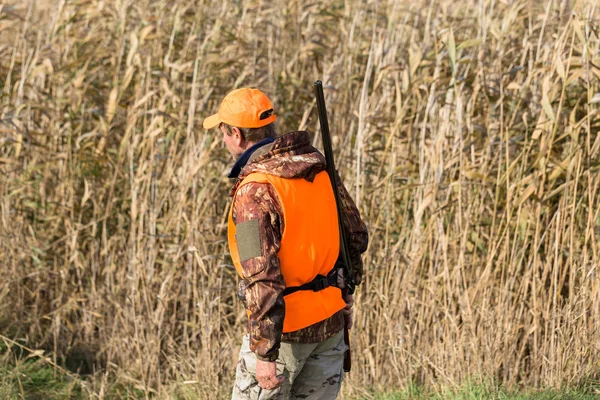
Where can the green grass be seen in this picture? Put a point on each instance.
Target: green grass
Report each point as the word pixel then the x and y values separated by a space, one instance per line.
pixel 36 380
pixel 28 375
pixel 482 392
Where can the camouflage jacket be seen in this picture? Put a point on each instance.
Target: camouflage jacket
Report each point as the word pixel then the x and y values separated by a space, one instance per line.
pixel 261 289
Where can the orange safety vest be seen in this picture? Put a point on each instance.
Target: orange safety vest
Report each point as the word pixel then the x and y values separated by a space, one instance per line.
pixel 309 245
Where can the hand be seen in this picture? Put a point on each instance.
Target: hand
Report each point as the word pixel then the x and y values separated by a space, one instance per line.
pixel 349 299
pixel 266 375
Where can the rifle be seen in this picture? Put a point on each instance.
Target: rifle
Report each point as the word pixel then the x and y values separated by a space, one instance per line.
pixel 345 257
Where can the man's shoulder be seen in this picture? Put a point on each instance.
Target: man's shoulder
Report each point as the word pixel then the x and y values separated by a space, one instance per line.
pixel 255 199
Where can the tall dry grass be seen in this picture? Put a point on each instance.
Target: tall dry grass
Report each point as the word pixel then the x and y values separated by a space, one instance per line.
pixel 466 130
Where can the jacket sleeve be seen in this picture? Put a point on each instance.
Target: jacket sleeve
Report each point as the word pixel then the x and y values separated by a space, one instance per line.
pixel 257 215
pixel 357 236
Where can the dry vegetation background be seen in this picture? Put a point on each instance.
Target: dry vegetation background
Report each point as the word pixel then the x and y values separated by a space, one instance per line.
pixel 466 130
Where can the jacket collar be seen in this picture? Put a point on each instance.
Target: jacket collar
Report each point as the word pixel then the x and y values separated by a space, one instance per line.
pixel 245 157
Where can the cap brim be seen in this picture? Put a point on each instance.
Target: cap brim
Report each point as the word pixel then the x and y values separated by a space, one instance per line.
pixel 211 122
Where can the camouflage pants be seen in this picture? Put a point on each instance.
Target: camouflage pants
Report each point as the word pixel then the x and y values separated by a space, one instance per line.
pixel 311 371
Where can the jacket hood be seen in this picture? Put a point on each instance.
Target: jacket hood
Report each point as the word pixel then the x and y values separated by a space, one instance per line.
pixel 289 156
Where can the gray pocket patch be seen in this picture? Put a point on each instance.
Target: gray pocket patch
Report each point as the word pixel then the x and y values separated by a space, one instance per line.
pixel 247 235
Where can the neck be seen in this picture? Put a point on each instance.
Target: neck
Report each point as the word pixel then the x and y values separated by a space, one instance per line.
pixel 243 158
pixel 243 147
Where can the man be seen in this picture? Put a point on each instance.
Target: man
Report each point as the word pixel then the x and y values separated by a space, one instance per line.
pixel 283 233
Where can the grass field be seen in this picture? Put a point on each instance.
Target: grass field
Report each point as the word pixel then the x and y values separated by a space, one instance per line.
pixel 33 379
pixel 467 133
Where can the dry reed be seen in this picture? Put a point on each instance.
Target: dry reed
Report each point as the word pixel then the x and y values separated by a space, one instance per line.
pixel 467 131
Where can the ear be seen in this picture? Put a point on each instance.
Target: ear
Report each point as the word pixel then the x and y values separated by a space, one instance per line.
pixel 237 136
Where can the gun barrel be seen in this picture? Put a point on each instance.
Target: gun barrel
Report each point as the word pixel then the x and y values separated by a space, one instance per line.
pixel 328 149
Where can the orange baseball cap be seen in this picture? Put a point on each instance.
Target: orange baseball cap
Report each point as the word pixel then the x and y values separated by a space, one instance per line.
pixel 243 108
